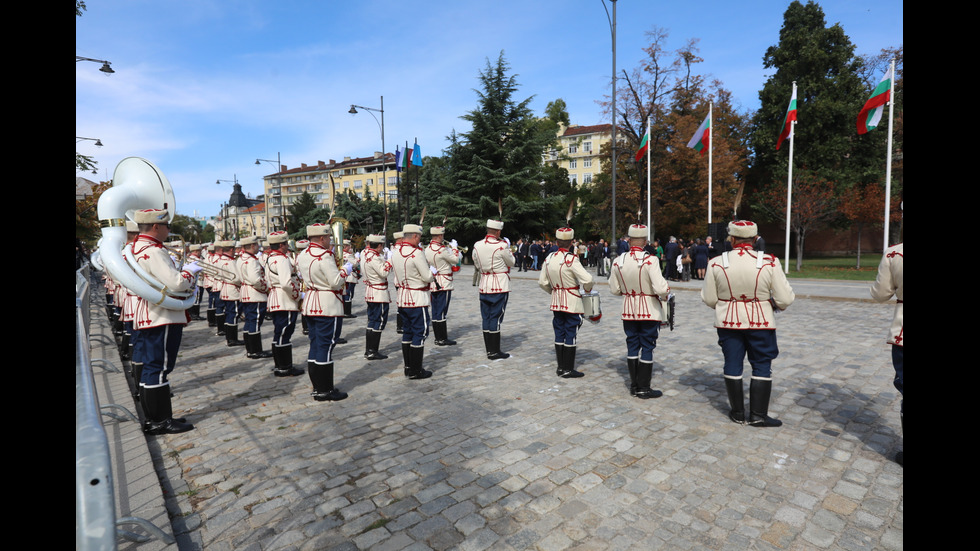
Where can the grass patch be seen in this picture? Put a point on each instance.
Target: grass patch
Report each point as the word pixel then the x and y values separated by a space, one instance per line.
pixel 836 267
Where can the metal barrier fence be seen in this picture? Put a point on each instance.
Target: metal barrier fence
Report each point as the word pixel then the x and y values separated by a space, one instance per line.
pixel 96 525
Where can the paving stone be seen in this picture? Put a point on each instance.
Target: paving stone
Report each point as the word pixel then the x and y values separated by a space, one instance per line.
pixel 504 455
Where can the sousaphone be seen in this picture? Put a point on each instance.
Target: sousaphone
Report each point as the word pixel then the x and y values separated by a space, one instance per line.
pixel 136 184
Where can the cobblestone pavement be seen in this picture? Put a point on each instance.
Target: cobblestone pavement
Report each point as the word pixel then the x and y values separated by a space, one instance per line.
pixel 505 455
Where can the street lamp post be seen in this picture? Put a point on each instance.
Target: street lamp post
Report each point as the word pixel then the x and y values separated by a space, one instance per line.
pixel 612 30
pixel 384 155
pixel 278 188
pixel 106 68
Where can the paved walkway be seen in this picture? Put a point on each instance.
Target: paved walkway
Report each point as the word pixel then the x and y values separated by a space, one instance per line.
pixel 504 455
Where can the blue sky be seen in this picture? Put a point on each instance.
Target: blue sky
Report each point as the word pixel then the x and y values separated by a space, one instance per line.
pixel 203 88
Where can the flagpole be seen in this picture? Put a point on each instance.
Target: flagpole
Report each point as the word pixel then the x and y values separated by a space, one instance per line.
pixel 789 186
pixel 649 226
pixel 711 149
pixel 888 166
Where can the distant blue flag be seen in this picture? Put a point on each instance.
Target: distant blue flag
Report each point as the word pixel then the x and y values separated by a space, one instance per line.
pixel 417 155
pixel 398 160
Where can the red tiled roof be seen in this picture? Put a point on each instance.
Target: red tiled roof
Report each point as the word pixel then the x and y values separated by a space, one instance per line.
pixel 594 129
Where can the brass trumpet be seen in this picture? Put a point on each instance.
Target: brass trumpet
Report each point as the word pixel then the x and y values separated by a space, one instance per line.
pixel 338 226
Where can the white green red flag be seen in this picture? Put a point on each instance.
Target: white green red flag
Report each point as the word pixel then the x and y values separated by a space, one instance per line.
pixel 788 121
pixel 702 138
pixel 870 114
pixel 644 146
pixel 406 160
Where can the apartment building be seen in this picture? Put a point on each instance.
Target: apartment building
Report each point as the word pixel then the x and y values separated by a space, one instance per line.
pixel 579 153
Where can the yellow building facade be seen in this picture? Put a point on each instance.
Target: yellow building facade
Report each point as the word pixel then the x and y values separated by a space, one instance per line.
pixel 579 153
pixel 365 176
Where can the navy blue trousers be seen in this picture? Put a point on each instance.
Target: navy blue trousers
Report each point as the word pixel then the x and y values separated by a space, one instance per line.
pixel 641 339
pixel 492 307
pixel 758 344
pixel 158 352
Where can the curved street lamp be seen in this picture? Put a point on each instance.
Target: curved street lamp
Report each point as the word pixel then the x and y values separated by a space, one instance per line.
pixel 277 188
pixel 384 155
pixel 106 68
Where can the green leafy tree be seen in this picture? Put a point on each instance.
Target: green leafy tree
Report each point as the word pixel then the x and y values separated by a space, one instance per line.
pixel 668 89
pixel 295 223
pixel 830 93
pixel 187 228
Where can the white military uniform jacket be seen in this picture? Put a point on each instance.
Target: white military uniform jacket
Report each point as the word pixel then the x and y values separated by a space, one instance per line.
pixel 561 276
pixel 324 282
pixel 156 261
pixel 890 282
pixel 637 278
pixel 375 270
pixel 254 286
pixel 352 259
pixel 443 258
pixel 742 285
pixel 285 287
pixel 412 276
pixel 493 259
pixel 231 281
pixel 129 300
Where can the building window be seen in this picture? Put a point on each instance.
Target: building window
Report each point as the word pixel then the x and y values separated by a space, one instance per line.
pixel 572 164
pixel 357 183
pixel 587 163
pixel 587 146
pixel 573 179
pixel 572 149
pixel 587 178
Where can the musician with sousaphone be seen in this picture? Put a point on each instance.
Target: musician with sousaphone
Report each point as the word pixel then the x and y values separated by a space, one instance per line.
pixel 160 328
pixel 636 276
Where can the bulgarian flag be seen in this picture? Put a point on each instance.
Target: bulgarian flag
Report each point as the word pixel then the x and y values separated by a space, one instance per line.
pixel 788 121
pixel 644 145
pixel 870 114
pixel 702 138
pixel 406 159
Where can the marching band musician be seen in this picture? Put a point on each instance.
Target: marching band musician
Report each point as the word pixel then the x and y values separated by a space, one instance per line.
pixel 217 284
pixel 636 276
pixel 745 287
pixel 254 296
pixel 194 255
pixel 323 308
pixel 231 291
pixel 285 290
pixel 133 350
pixel 160 329
pixel 444 257
pixel 561 277
pixel 493 260
pixel 210 285
pixel 413 276
pixel 891 283
pixel 301 245
pixel 375 269
pixel 351 281
pixel 396 238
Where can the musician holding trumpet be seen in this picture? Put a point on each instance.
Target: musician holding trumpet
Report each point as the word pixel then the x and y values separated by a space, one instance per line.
pixel 443 257
pixel 323 308
pixel 160 329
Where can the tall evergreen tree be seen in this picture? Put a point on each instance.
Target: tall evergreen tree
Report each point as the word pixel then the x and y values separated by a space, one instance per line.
pixel 495 167
pixel 830 93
